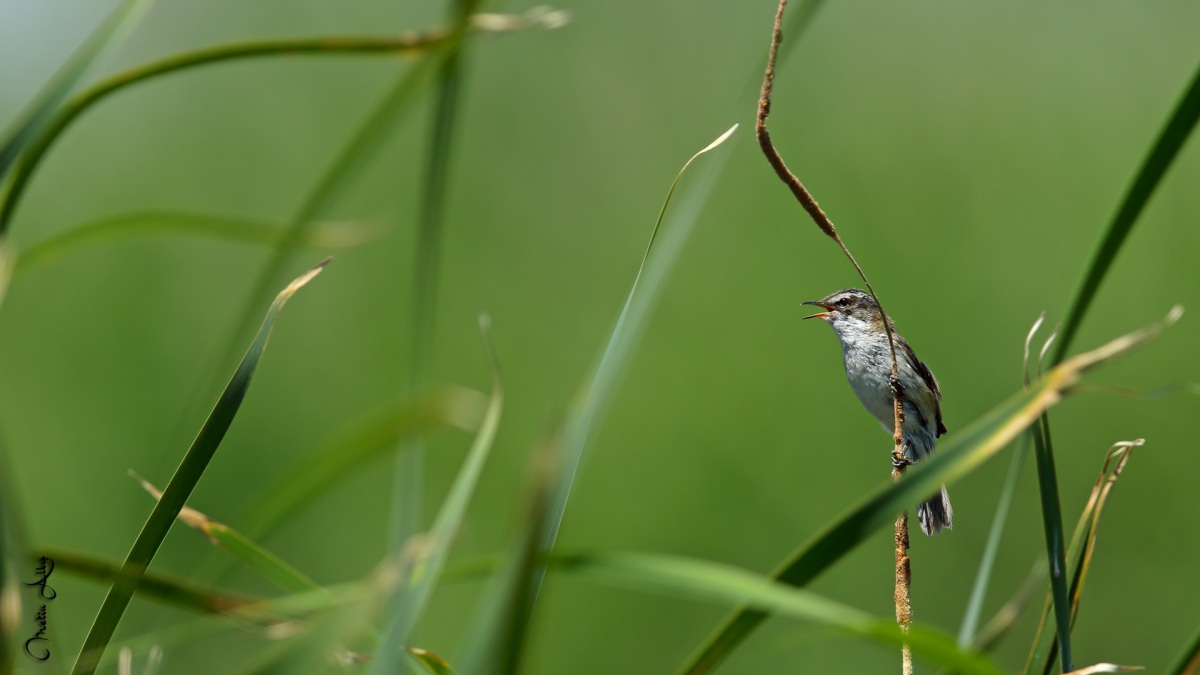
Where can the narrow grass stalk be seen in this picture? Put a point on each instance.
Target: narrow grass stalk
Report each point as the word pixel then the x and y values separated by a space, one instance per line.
pixel 191 468
pixel 1052 526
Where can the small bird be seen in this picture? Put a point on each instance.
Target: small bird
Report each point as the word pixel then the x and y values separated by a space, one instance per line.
pixel 855 318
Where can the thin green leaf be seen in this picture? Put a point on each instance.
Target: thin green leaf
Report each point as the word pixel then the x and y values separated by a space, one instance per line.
pixel 596 394
pixel 115 228
pixel 364 440
pixel 1188 660
pixel 712 582
pixel 957 455
pixel 182 483
pixel 1170 141
pixel 430 549
pixel 174 591
pixel 111 33
pixel 1053 530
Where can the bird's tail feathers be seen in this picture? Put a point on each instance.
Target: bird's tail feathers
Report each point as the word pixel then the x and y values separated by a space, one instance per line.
pixel 935 513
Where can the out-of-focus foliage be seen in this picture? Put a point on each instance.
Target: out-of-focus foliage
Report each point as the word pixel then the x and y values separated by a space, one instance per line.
pixel 969 154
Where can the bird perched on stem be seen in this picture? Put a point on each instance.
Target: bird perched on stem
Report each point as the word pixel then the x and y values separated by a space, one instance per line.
pixel 856 319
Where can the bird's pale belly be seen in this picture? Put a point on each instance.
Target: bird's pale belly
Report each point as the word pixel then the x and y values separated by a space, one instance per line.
pixel 868 372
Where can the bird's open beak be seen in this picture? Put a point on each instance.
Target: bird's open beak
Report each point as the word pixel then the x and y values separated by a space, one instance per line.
pixel 818 315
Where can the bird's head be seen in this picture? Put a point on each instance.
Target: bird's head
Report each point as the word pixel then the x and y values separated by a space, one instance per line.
pixel 849 309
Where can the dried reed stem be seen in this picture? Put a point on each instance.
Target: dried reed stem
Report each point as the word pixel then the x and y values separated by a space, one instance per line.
pixel 903 567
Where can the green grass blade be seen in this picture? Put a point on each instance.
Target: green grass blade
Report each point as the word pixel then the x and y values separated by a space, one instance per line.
pixel 182 483
pixel 712 582
pixel 112 32
pixel 237 230
pixel 1170 141
pixel 970 624
pixel 1188 661
pixel 167 589
pixel 429 550
pixel 957 455
pixel 365 440
pixel 1053 529
pixel 597 392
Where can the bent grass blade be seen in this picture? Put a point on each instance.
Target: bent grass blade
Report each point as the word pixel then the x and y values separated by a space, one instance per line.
pixel 191 468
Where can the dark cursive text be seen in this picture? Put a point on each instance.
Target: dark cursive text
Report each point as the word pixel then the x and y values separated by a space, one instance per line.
pixel 44 569
pixel 33 646
pixel 39 636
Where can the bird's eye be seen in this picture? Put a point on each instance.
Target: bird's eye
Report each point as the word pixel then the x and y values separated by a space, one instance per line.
pixel 844 302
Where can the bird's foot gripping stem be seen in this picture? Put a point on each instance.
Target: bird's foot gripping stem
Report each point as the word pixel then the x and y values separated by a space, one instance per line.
pixel 899 461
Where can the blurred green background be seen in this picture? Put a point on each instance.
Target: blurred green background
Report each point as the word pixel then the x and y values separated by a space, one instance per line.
pixel 970 154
